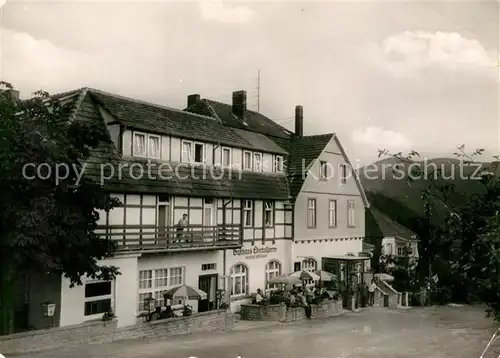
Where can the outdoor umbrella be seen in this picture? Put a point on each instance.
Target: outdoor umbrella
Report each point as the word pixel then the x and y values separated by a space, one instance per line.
pixel 284 279
pixel 185 292
pixel 325 275
pixel 306 275
pixel 384 277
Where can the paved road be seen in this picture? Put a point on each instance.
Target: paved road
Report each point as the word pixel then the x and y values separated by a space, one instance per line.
pixel 439 332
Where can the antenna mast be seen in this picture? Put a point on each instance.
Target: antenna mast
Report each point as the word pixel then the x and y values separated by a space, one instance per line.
pixel 258 91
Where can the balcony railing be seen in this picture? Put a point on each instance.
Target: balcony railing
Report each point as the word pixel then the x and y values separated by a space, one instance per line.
pixel 151 238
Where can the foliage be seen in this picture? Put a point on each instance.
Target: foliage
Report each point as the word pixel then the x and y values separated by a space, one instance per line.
pixel 421 223
pixel 402 268
pixel 463 249
pixel 48 225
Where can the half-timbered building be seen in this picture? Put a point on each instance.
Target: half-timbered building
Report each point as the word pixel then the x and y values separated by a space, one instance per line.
pixel 214 196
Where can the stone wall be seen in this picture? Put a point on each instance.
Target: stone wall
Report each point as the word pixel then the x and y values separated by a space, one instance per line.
pixel 280 313
pixel 104 332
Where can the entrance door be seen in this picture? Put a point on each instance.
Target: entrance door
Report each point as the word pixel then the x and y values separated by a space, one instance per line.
pixel 208 284
pixel 163 220
pixel 208 220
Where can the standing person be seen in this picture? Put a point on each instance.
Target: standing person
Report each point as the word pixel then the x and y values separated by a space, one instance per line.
pixel 371 290
pixel 307 307
pixel 181 225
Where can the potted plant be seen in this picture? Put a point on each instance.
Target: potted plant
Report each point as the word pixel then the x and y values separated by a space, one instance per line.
pixel 108 316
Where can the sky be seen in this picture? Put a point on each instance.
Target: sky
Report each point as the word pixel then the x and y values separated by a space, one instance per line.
pixel 382 75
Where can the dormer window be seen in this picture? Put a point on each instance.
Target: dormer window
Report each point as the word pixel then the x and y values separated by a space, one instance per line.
pixel 140 145
pixel 193 152
pixel 154 146
pixel 146 145
pixel 187 148
pixel 278 164
pixel 199 153
pixel 257 162
pixel 247 160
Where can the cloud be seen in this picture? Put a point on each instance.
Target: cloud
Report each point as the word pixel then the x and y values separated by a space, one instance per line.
pixel 217 11
pixel 408 53
pixel 26 60
pixel 380 138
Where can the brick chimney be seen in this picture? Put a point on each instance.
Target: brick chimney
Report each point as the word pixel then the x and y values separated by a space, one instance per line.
pixel 240 104
pixel 299 121
pixel 193 99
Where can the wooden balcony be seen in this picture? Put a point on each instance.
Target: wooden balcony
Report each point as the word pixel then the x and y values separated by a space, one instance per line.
pixel 153 239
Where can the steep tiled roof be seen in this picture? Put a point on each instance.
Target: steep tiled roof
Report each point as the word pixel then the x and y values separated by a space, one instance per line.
pixel 260 141
pixel 200 181
pixel 173 178
pixel 304 150
pixel 159 119
pixel 254 121
pixel 388 227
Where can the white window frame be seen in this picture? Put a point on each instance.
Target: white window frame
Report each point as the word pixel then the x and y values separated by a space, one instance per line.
pixel 274 272
pixel 209 205
pixel 311 207
pixel 109 296
pixel 149 154
pixel 257 164
pixel 310 265
pixel 323 170
pixel 228 149
pixel 268 209
pixel 243 275
pixel 343 174
pixel 187 160
pixel 278 164
pixel 247 165
pixel 156 285
pixel 332 213
pixel 247 209
pixel 146 144
pixel 351 213
pixel 388 249
pixel 400 250
pixel 193 154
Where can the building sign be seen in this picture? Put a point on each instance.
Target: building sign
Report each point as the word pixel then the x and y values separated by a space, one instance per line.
pixel 255 252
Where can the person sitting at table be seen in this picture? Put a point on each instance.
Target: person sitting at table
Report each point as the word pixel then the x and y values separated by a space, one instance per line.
pixel 259 297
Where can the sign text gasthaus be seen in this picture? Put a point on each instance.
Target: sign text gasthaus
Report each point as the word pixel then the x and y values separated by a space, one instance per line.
pixel 254 252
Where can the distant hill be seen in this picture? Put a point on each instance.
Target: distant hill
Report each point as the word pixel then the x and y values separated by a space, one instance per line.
pixel 389 178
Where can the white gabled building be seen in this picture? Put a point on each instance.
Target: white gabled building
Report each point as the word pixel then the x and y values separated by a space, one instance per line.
pixel 260 201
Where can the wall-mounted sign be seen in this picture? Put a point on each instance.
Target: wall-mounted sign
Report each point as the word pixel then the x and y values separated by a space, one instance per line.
pixel 254 252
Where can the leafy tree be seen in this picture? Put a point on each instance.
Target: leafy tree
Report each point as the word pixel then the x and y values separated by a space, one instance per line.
pixel 47 225
pixel 464 250
pixel 402 268
pixel 421 224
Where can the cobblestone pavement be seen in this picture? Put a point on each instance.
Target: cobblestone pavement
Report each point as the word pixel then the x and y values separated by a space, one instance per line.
pixel 418 332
